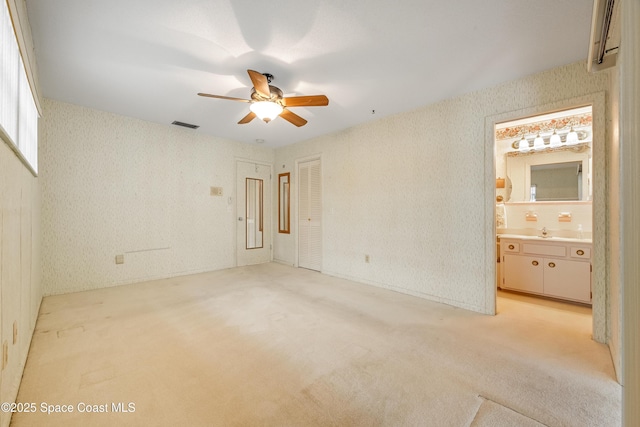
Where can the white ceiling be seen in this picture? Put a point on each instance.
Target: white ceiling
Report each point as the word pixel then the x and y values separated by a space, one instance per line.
pixel 149 58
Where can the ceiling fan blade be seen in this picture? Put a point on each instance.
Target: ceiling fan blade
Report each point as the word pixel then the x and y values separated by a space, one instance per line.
pixel 224 97
pixel 293 118
pixel 247 118
pixel 306 101
pixel 260 83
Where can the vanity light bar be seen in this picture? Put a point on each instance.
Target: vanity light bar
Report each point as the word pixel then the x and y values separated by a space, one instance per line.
pixel 582 135
pixel 576 148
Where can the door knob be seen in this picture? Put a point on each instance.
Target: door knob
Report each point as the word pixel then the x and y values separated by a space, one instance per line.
pixel 534 262
pixel 552 264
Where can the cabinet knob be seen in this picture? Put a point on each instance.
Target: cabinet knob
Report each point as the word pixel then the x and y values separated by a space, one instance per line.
pixel 552 264
pixel 511 247
pixel 534 262
pixel 580 252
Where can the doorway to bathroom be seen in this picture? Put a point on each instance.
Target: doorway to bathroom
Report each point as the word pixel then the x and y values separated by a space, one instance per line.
pixel 548 199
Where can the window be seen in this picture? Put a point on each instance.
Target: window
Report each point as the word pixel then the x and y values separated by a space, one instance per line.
pixel 18 111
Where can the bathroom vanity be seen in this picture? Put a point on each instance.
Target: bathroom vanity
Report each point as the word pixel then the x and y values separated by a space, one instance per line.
pixel 550 266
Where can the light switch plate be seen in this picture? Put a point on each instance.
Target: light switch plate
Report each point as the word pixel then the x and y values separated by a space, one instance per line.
pixel 119 259
pixel 216 191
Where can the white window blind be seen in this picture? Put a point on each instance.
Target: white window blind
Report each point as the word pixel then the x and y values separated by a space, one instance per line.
pixel 10 68
pixel 27 122
pixel 18 111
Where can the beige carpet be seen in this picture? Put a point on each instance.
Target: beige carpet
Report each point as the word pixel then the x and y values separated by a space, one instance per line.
pixel 277 346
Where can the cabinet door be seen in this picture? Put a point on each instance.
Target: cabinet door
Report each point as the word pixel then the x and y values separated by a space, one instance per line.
pixel 523 273
pixel 567 279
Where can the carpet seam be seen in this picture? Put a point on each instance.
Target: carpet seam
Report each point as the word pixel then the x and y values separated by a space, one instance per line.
pixel 505 406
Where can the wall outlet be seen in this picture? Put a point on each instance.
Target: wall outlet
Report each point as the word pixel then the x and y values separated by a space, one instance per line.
pixel 119 259
pixel 15 331
pixel 367 259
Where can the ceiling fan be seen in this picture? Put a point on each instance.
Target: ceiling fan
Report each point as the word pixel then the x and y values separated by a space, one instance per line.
pixel 267 102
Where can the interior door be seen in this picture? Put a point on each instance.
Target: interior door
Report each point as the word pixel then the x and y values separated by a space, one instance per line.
pixel 253 211
pixel 309 215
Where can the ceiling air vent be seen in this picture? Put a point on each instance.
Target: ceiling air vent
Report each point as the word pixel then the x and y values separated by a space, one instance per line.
pixel 185 125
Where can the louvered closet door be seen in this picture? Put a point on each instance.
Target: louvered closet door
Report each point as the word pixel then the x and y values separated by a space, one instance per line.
pixel 309 216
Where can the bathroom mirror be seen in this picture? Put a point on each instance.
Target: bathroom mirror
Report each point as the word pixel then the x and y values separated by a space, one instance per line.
pixel 557 181
pixel 254 203
pixel 557 175
pixel 284 194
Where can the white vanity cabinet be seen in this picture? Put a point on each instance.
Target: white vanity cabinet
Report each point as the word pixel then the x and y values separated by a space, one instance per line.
pixel 559 268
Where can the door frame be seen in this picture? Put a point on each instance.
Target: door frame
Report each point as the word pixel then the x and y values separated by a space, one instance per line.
pixel 295 202
pixel 235 205
pixel 599 283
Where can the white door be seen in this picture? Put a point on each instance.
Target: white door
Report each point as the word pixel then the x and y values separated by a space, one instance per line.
pixel 253 209
pixel 309 216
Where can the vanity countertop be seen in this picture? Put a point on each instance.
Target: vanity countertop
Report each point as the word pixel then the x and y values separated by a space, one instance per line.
pixel 544 239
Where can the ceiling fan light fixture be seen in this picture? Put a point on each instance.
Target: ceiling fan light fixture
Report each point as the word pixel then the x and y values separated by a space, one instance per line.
pixel 266 110
pixel 267 102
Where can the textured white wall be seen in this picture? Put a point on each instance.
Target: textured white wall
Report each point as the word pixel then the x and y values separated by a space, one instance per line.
pixel 409 190
pixel 117 185
pixel 20 285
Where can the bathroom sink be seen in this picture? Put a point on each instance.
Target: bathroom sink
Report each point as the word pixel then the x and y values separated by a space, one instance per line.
pixel 554 238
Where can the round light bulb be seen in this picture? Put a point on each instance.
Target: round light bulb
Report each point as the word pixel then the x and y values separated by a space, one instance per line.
pixel 266 110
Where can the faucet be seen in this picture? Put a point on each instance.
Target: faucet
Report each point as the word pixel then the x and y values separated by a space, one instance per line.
pixel 544 232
